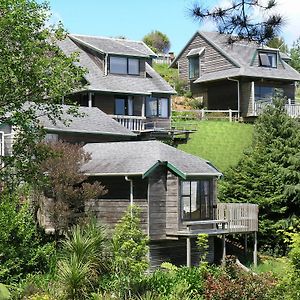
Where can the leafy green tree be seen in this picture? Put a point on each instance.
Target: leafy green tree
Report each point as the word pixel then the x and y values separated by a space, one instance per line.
pixel 278 43
pixel 236 19
pixel 32 70
pixel 268 175
pixel 23 249
pixel 157 41
pixel 295 55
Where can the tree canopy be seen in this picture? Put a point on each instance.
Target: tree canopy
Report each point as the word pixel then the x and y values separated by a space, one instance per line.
pixel 33 71
pixel 237 19
pixel 278 43
pixel 268 175
pixel 157 41
pixel 295 55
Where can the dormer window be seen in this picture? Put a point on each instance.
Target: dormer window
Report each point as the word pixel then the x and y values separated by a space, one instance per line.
pixel 124 65
pixel 194 62
pixel 268 59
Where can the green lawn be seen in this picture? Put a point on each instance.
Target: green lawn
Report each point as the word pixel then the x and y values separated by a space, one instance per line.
pixel 220 142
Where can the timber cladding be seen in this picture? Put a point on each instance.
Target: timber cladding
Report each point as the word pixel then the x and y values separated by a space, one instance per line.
pixel 212 60
pixel 110 211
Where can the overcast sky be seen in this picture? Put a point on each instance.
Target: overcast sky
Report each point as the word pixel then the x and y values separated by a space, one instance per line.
pixel 135 18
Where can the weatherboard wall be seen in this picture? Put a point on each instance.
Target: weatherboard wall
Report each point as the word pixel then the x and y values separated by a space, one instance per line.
pixel 212 60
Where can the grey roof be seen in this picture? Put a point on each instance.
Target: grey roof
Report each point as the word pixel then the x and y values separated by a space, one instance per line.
pixel 196 51
pixel 136 158
pixel 115 46
pixel 91 121
pixel 99 81
pixel 242 54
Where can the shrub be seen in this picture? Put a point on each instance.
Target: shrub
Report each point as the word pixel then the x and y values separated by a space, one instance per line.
pixel 23 247
pixel 84 257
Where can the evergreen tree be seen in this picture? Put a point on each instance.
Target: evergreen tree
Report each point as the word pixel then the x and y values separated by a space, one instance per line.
pixel 268 175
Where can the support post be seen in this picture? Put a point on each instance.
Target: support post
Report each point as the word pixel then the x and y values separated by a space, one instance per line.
pixel 188 252
pixel 255 250
pixel 202 113
pixel 246 245
pixel 90 101
pixel 224 248
pixel 230 115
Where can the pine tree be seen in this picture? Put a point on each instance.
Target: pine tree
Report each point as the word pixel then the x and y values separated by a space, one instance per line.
pixel 268 175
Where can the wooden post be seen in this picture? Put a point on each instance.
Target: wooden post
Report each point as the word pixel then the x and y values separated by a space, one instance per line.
pixel 230 115
pixel 224 248
pixel 246 244
pixel 90 101
pixel 202 114
pixel 255 250
pixel 188 252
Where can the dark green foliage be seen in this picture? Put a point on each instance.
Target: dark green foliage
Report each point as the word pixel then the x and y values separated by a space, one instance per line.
pixel 32 70
pixel 23 249
pixel 295 55
pixel 237 22
pixel 157 41
pixel 84 257
pixel 268 175
pixel 278 43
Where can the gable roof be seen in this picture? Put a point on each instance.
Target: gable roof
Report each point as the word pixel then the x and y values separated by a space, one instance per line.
pixel 114 83
pixel 141 158
pixel 93 121
pixel 242 53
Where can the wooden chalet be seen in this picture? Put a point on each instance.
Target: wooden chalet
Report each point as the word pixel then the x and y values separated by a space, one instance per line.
pixel 176 192
pixel 241 76
pixel 121 82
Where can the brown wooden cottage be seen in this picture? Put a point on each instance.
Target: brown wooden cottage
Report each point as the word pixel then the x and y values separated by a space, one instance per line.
pixel 241 76
pixel 122 83
pixel 176 192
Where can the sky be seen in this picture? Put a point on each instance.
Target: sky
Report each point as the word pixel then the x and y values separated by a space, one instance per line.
pixel 135 18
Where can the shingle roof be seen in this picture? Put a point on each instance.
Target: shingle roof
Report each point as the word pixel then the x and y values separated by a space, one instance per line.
pixel 98 81
pixel 243 53
pixel 93 121
pixel 115 46
pixel 136 158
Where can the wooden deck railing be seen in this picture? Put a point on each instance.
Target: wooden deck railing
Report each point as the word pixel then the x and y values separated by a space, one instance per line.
pixel 292 110
pixel 241 217
pixel 134 123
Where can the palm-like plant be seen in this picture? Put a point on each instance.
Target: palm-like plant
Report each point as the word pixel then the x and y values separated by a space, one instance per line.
pixel 84 257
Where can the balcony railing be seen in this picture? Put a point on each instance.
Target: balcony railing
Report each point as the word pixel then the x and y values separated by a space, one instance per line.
pixel 292 110
pixel 133 123
pixel 228 218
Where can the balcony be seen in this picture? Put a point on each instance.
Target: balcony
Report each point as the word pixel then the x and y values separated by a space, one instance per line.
pixel 291 108
pixel 228 218
pixel 133 123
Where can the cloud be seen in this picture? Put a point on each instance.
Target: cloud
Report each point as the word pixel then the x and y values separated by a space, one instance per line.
pixel 289 9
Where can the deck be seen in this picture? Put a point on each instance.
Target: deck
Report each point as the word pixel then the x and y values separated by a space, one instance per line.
pixel 292 110
pixel 229 218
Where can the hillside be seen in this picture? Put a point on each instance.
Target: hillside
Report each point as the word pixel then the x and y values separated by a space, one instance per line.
pixel 220 142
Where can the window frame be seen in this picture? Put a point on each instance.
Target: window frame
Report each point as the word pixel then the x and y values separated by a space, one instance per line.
pixel 195 58
pixel 126 105
pixel 200 200
pixel 127 71
pixel 158 107
pixel 272 63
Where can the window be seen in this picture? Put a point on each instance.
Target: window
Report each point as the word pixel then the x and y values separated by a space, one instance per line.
pixel 133 66
pixel 124 65
pixel 196 200
pixel 194 67
pixel 124 106
pixel 157 107
pixel 268 59
pixel 266 93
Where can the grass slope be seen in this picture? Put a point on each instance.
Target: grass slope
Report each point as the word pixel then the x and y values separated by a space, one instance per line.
pixel 220 142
